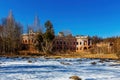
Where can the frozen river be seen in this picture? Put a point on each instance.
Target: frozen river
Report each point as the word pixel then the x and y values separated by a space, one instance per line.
pixel 57 69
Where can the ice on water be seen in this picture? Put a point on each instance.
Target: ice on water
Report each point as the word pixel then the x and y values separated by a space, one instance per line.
pixel 57 69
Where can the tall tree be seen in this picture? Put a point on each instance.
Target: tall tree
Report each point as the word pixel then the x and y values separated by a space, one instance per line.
pixel 37 29
pixel 36 25
pixel 12 34
pixel 49 34
pixel 17 36
pixel 48 37
pixel 1 39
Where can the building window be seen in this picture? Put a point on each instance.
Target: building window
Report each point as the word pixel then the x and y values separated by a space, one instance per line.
pixel 74 43
pixel 35 41
pixel 77 48
pixel 57 42
pixel 80 43
pixel 68 43
pixel 60 48
pixel 77 43
pixel 29 41
pixel 64 43
pixel 60 42
pixel 25 41
pixel 85 48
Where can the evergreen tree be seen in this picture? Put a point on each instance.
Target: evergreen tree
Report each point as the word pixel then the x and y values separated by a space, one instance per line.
pixel 45 40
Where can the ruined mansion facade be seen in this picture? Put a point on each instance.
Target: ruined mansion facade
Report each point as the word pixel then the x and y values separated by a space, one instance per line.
pixel 60 43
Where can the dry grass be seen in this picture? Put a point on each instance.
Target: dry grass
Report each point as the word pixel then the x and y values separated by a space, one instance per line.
pixel 85 55
pixel 66 55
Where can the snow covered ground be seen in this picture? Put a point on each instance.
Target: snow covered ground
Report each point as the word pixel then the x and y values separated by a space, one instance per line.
pixel 57 69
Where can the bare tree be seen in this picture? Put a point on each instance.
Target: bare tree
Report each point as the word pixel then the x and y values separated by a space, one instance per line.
pixel 11 35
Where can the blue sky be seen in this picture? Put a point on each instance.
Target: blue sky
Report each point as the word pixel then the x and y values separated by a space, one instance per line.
pixel 83 17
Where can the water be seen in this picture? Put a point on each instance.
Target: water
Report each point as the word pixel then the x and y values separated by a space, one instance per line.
pixel 57 69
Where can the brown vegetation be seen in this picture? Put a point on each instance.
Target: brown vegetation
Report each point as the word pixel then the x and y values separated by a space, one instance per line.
pixel 106 46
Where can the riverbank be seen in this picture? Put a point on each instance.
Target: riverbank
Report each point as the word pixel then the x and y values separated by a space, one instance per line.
pixel 66 55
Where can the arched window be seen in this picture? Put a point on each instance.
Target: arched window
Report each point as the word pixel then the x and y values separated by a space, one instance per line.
pixel 80 43
pixel 60 42
pixel 57 42
pixel 77 43
pixel 77 48
pixel 73 43
pixel 85 48
pixel 25 41
pixel 64 43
